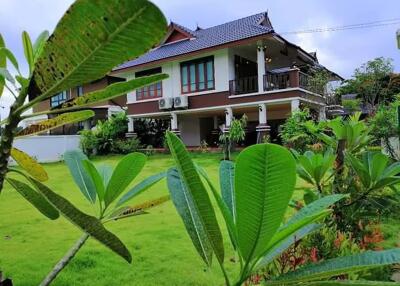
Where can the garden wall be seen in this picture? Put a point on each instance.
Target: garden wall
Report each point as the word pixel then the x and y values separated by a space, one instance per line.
pixel 48 148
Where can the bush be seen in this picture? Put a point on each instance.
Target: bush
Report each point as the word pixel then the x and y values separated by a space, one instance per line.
pixel 295 133
pixel 125 146
pixel 101 140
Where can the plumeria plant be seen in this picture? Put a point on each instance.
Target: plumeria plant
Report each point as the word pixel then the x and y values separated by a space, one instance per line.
pixel 254 197
pixel 90 40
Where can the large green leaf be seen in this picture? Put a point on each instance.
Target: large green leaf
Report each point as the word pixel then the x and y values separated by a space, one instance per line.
pixel 28 50
pixel 110 92
pixel 39 44
pixel 3 65
pixel 4 52
pixel 74 160
pixel 226 213
pixel 29 164
pixel 36 199
pixel 96 178
pixel 185 205
pixel 194 186
pixel 226 178
pixel 315 207
pixel 125 172
pixel 342 265
pixel 105 172
pixel 285 244
pixel 141 187
pixel 91 39
pixel 87 223
pixel 49 124
pixel 265 177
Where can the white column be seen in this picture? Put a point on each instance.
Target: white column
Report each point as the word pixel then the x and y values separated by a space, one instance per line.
pixel 215 118
pixel 228 117
pixel 131 125
pixel 174 121
pixel 86 124
pixel 261 67
pixel 322 113
pixel 262 114
pixel 295 105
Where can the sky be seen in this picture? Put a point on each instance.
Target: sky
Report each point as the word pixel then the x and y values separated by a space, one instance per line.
pixel 341 51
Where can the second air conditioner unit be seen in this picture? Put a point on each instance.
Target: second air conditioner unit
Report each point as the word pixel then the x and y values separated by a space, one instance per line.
pixel 165 103
pixel 181 102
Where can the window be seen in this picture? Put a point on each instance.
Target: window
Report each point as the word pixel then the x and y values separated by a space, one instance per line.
pixel 197 75
pixel 79 91
pixel 150 91
pixel 59 98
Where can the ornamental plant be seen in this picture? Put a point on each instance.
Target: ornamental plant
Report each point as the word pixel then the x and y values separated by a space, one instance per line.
pixel 254 197
pixel 89 41
pixel 104 187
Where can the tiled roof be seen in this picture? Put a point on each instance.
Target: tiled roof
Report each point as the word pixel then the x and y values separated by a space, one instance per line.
pixel 244 28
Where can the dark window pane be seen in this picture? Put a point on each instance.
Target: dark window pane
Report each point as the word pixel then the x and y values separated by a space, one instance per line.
pixel 192 77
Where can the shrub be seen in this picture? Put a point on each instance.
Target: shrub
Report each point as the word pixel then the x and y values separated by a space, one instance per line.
pixel 125 146
pixel 295 134
pixel 88 142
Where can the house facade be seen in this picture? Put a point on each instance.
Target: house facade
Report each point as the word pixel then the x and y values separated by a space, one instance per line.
pixel 102 110
pixel 222 72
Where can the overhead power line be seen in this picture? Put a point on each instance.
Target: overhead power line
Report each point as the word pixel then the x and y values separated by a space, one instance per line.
pixel 380 23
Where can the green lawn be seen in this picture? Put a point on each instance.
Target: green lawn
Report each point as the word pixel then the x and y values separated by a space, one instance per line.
pixel 162 252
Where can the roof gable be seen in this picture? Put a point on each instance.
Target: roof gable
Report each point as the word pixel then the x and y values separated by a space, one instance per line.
pixel 176 33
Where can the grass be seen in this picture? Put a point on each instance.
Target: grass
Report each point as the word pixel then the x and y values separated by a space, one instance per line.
pixel 162 251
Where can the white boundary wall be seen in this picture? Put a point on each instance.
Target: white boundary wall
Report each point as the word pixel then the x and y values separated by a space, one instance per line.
pixel 47 148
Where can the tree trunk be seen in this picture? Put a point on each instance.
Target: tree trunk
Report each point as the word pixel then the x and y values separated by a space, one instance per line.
pixel 65 260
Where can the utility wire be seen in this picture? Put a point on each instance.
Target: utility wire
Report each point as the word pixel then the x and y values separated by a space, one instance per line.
pixel 380 23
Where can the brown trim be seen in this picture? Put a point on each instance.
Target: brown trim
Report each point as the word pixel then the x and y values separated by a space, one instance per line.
pixel 214 48
pixel 220 99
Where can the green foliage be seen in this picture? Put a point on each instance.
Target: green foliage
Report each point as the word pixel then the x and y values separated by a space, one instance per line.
pixel 30 165
pixel 108 136
pixel 370 82
pixel 314 168
pixel 100 36
pixel 3 65
pixel 32 196
pixel 60 120
pixel 318 80
pixel 190 197
pixel 151 131
pixel 384 126
pixel 28 50
pixel 264 177
pixel 295 133
pixel 351 105
pixel 125 146
pixel 235 134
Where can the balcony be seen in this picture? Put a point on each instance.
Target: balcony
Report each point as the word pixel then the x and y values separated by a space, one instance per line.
pixel 243 85
pixel 275 80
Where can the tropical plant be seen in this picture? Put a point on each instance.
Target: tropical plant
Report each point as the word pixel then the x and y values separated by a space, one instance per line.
pixel 370 82
pixel 295 134
pixel 100 35
pixel 255 194
pixel 235 134
pixel 102 186
pixel 384 126
pixel 316 169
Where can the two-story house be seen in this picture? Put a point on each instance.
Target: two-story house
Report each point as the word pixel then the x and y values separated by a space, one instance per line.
pixel 240 67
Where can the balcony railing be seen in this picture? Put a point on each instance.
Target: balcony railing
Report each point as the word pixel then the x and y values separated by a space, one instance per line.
pixel 243 85
pixel 292 78
pixel 273 81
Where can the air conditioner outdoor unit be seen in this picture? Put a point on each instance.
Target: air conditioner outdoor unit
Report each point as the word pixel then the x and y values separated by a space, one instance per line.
pixel 181 102
pixel 165 103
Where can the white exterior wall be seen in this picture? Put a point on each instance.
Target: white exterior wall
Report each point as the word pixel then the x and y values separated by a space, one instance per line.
pixel 223 72
pixel 47 148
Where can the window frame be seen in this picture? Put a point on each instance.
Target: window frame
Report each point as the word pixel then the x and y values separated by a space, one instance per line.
pixel 156 88
pixel 55 103
pixel 79 90
pixel 197 62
